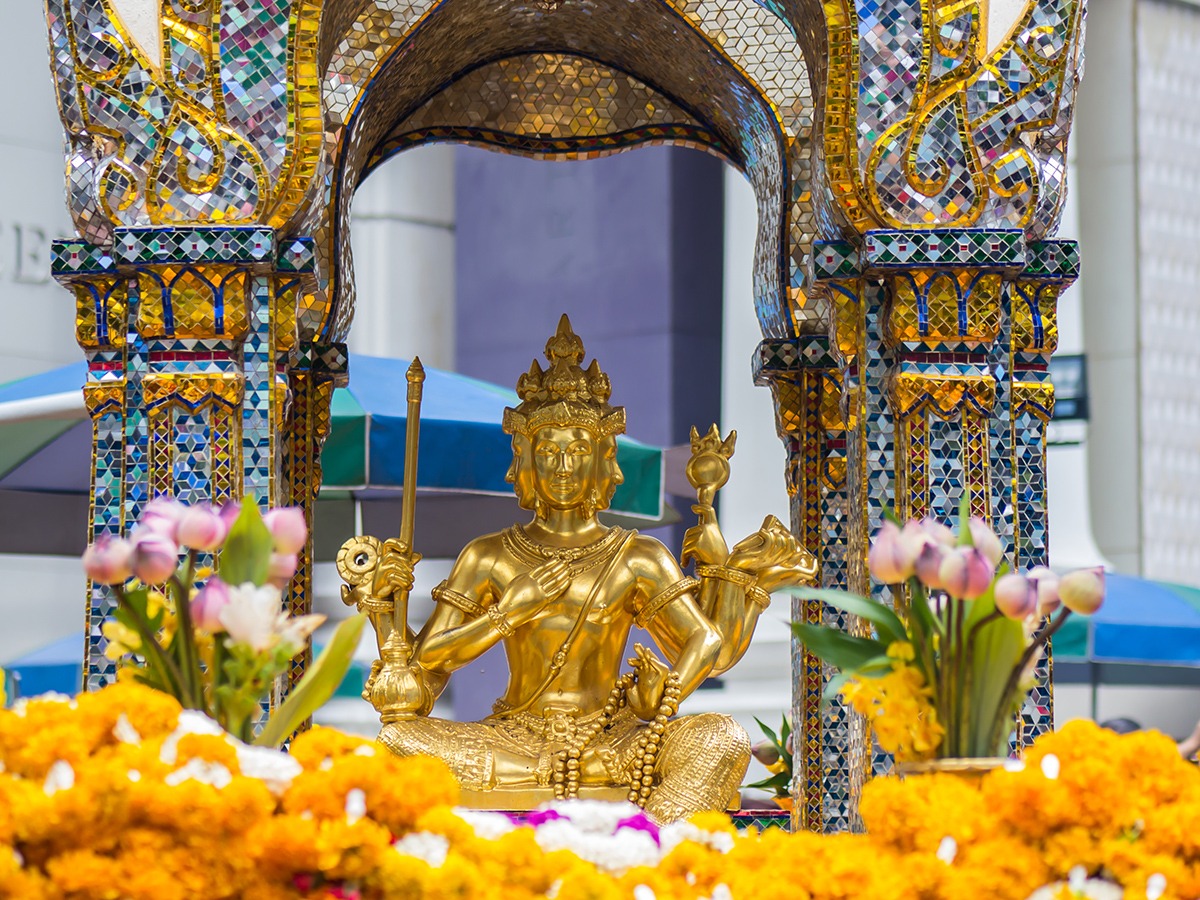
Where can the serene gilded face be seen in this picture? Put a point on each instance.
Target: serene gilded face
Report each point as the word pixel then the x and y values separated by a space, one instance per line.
pixel 564 466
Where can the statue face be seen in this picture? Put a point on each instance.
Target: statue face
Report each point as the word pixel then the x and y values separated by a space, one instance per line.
pixel 520 473
pixel 564 466
pixel 608 474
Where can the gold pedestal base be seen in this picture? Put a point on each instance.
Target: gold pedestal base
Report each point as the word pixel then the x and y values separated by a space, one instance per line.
pixel 523 798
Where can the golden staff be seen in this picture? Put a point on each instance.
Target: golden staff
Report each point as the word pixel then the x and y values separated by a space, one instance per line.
pixel 399 691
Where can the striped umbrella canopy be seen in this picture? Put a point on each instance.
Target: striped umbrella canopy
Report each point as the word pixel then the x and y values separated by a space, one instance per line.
pixel 45 446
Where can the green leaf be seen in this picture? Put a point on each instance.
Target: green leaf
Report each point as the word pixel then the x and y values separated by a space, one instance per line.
pixel 838 649
pixel 997 650
pixel 779 782
pixel 964 514
pixel 247 552
pixel 317 686
pixel 774 738
pixel 887 623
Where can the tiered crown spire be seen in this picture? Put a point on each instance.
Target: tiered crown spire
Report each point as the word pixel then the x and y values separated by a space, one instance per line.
pixel 565 394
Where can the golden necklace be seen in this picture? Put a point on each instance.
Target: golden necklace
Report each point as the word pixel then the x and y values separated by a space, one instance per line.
pixel 578 559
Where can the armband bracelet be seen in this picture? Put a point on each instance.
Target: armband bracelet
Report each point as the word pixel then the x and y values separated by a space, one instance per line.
pixel 461 602
pixel 725 573
pixel 758 595
pixel 671 593
pixel 499 621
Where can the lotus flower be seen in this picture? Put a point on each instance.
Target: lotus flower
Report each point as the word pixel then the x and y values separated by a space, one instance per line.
pixel 109 560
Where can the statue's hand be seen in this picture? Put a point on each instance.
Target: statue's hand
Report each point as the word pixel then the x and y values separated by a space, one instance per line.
pixel 527 594
pixel 802 571
pixel 395 569
pixel 647 692
pixel 771 545
pixel 704 542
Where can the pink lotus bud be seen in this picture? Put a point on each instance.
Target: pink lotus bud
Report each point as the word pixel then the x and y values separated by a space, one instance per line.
pixel 985 540
pixel 202 528
pixel 1046 583
pixel 108 560
pixel 965 573
pixel 207 605
pixel 889 558
pixel 765 752
pixel 288 528
pixel 928 564
pixel 915 538
pixel 155 556
pixel 1082 591
pixel 162 514
pixel 283 567
pixel 939 532
pixel 1016 596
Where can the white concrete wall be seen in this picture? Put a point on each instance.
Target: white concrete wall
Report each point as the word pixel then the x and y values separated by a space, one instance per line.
pixel 403 238
pixel 37 317
pixel 1104 138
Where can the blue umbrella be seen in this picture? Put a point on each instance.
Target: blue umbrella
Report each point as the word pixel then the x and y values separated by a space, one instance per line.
pixel 1141 622
pixel 45 438
pixel 45 446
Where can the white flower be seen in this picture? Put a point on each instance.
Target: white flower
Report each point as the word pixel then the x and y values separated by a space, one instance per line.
pixel 1156 886
pixel 432 848
pixel 134 775
pixel 721 892
pixel 61 777
pixel 253 615
pixel 124 731
pixel 947 850
pixel 190 722
pixel 364 750
pixel 202 771
pixel 273 768
pixel 488 825
pixel 1014 765
pixel 612 853
pixel 677 832
pixel 295 631
pixel 1082 887
pixel 1051 766
pixel 644 892
pixel 356 805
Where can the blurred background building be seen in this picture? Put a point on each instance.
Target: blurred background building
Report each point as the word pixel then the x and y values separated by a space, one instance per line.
pixel 441 231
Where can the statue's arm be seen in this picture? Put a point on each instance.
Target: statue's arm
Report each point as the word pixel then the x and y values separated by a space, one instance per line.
pixel 473 615
pixel 669 612
pixel 459 630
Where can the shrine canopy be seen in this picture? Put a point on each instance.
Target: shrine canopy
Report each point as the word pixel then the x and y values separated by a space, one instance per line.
pixel 45 440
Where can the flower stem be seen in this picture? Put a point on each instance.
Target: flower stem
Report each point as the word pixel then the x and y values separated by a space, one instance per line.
pixel 153 647
pixel 960 675
pixel 1014 677
pixel 186 632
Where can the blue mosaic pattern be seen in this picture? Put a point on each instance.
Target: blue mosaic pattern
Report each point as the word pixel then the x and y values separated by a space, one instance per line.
pixel 258 434
pixel 191 471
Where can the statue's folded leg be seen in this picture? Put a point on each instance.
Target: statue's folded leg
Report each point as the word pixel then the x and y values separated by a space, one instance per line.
pixel 700 766
pixel 466 747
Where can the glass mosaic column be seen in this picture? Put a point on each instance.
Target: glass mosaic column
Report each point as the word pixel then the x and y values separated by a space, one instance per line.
pixel 830 742
pixel 932 385
pixel 188 333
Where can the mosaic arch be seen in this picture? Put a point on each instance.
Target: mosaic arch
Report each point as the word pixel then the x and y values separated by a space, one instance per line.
pixel 908 159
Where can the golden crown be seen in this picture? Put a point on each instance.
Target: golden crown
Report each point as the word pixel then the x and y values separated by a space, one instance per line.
pixel 564 394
